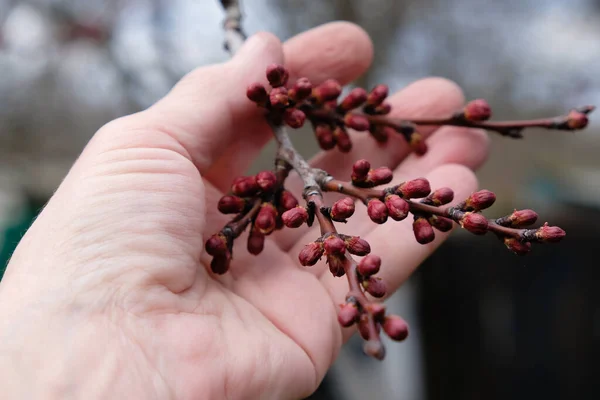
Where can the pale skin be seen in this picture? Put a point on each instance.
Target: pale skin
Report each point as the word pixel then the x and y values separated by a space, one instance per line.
pixel 108 295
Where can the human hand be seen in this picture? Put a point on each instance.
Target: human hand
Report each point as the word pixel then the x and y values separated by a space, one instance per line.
pixel 108 295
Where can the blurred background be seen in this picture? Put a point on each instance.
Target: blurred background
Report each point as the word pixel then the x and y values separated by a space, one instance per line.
pixel 485 323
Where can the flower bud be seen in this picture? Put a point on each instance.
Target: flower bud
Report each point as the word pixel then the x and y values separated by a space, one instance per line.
pixel 311 254
pixel 397 207
pixel 277 75
pixel 342 209
pixel 480 200
pixel 363 326
pixel 377 311
pixel 374 348
pixel 550 234
pixel 336 265
pixel 381 133
pixel 301 90
pixel 294 118
pixel 360 169
pixel 295 217
pixel 477 110
pixel 374 286
pixel 357 122
pixel 231 204
pixel 220 264
pixel 382 109
pixel 257 93
pixel 380 176
pixel 377 211
pixel 417 143
pixel 279 97
pixel 256 242
pixel 354 99
pixel 287 200
pixel 516 246
pixel 348 314
pixel 324 136
pixel 266 181
pixel 440 197
pixel 519 219
pixel 334 245
pixel 357 246
pixel 577 120
pixel 327 91
pixel 395 327
pixel 342 139
pixel 369 265
pixel 377 95
pixel 440 223
pixel 423 231
pixel 216 245
pixel 244 186
pixel 414 189
pixel 265 220
pixel 474 223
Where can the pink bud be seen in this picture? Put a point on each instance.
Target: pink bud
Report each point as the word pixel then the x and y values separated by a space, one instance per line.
pixel 336 265
pixel 266 180
pixel 301 90
pixel 311 254
pixel 357 122
pixel 395 327
pixel 440 223
pixel 342 209
pixel 342 139
pixel 374 348
pixel 256 242
pixel 216 245
pixel 550 234
pixel 360 169
pixel 417 144
pixel 334 245
pixel 382 109
pixel 348 315
pixel 577 120
pixel 325 137
pixel 474 223
pixel 244 186
pixel 220 264
pixel 380 176
pixel 517 247
pixel 477 110
pixel 257 93
pixel 279 97
pixel 231 204
pixel 265 220
pixel 377 95
pixel 287 200
pixel 423 231
pixel 414 189
pixel 374 286
pixel 480 200
pixel 326 91
pixel 277 75
pixel 295 217
pixel 377 211
pixel 363 326
pixel 521 218
pixel 377 311
pixel 357 246
pixel 397 207
pixel 441 196
pixel 369 265
pixel 354 99
pixel 294 118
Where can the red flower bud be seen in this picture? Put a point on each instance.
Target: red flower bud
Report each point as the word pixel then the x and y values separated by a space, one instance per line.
pixel 423 231
pixel 266 181
pixel 474 223
pixel 360 169
pixel 521 218
pixel 395 327
pixel 336 265
pixel 374 348
pixel 265 220
pixel 377 310
pixel 326 91
pixel 577 120
pixel 348 315
pixel 357 246
pixel 397 207
pixel 380 176
pixel 357 122
pixel 480 200
pixel 414 189
pixel 369 265
pixel 244 186
pixel 220 264
pixel 257 93
pixel 441 196
pixel 310 254
pixel 377 211
pixel 231 204
pixel 294 217
pixel 377 95
pixel 417 143
pixel 334 245
pixel 550 234
pixel 277 75
pixel 342 139
pixel 279 97
pixel 440 223
pixel 342 209
pixel 287 200
pixel 374 286
pixel 354 99
pixel 324 136
pixel 301 90
pixel 381 133
pixel 256 242
pixel 294 117
pixel 477 110
pixel 517 247
pixel 216 245
pixel 363 326
pixel 382 109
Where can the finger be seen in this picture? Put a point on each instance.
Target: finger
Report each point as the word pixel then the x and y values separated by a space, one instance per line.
pixel 338 50
pixel 395 242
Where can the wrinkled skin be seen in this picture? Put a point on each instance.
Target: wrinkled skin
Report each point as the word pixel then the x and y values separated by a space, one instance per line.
pixel 109 296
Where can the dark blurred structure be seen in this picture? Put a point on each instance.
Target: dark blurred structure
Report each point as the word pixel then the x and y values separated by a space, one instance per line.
pixel 485 323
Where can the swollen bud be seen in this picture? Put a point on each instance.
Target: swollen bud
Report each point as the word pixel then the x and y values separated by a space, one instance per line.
pixel 342 209
pixel 342 139
pixel 377 311
pixel 477 110
pixel 397 207
pixel 360 170
pixel 417 143
pixel 334 245
pixel 354 99
pixel 266 181
pixel 440 197
pixel 357 122
pixel 216 245
pixel 348 315
pixel 517 247
pixel 395 327
pixel 277 75
pixel 256 242
pixel 324 135
pixel 550 234
pixel 423 231
pixel 479 201
pixel 301 90
pixel 377 211
pixel 294 118
pixel 265 221
pixel 279 97
pixel 295 217
pixel 577 120
pixel 244 186
pixel 474 223
pixel 377 95
pixel 414 189
pixel 311 254
pixel 380 176
pixel 231 204
pixel 357 246
pixel 369 265
pixel 374 348
pixel 257 93
pixel 518 219
pixel 374 286
pixel 220 264
pixel 287 200
pixel 327 91
pixel 336 265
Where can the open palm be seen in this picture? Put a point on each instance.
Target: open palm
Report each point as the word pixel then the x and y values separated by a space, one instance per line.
pixel 108 294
